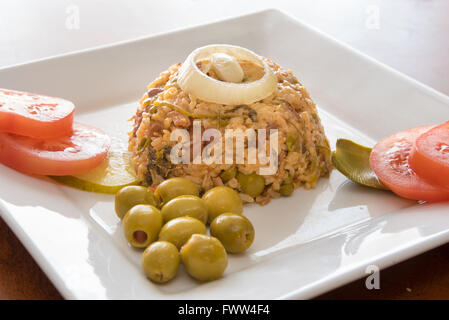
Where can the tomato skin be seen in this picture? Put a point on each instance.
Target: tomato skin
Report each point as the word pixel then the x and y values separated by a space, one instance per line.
pixel 35 116
pixel 67 155
pixel 430 156
pixel 389 161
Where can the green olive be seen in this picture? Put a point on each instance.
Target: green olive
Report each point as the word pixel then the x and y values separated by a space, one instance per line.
pixel 128 197
pixel 179 230
pixel 251 184
pixel 142 224
pixel 286 189
pixel 181 206
pixel 175 187
pixel 220 200
pixel 235 232
pixel 160 261
pixel 228 174
pixel 204 257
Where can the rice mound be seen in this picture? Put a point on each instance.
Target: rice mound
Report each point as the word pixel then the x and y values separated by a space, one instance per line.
pixel 304 154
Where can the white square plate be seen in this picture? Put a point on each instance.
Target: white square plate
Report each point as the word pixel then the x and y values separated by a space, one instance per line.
pixel 305 245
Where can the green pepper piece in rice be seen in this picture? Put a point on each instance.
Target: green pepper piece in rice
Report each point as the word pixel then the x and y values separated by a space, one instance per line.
pixel 292 143
pixel 252 114
pixel 143 144
pixel 159 163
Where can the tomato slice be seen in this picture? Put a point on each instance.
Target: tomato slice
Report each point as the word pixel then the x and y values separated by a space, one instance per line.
pixel 430 157
pixel 389 161
pixel 35 116
pixel 84 150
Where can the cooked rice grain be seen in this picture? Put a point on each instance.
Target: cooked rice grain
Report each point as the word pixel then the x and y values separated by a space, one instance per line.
pixel 289 109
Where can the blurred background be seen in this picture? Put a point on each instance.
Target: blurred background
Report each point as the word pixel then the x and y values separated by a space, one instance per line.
pixel 408 35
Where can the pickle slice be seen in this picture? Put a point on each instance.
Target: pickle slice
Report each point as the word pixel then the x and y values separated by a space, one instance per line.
pixel 114 173
pixel 352 160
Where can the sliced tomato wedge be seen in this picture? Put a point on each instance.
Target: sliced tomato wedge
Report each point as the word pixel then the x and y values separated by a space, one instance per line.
pixel 390 162
pixel 430 157
pixel 84 150
pixel 35 116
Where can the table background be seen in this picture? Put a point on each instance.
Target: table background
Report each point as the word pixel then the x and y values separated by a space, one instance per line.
pixel 409 35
